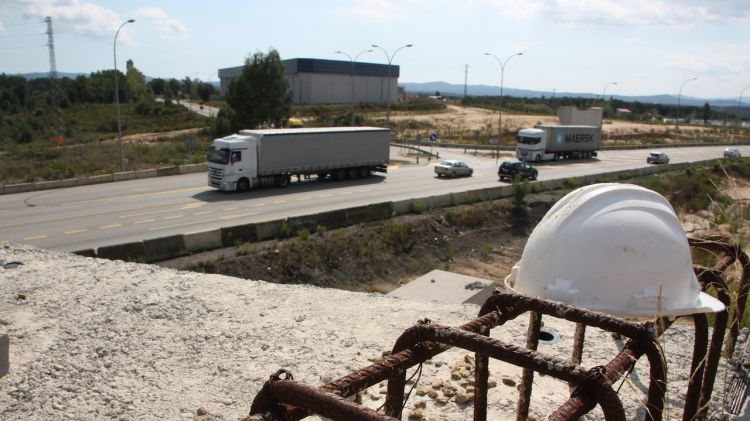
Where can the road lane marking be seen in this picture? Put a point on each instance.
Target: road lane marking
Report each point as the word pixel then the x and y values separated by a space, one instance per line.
pixel 231 208
pixel 228 217
pixel 132 196
pixel 78 231
pixel 258 205
pixel 106 227
pixel 365 190
pixel 166 218
pixel 144 221
pixel 325 195
pixel 279 202
pixel 344 193
pixel 36 237
pixel 302 199
pixel 191 206
pixel 201 213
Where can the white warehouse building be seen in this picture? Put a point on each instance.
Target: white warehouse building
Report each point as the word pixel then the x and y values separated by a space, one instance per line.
pixel 317 81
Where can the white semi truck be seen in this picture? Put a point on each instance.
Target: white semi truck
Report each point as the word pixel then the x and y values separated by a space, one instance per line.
pixel 255 158
pixel 548 142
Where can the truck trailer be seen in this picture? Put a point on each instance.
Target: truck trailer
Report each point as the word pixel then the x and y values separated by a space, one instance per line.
pixel 550 142
pixel 255 158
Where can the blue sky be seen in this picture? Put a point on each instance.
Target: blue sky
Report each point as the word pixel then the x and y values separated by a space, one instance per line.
pixel 646 46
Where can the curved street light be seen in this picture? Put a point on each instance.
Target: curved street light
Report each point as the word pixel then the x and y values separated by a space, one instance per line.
pixel 500 108
pixel 390 60
pixel 353 60
pixel 679 98
pixel 117 96
pixel 604 92
pixel 739 102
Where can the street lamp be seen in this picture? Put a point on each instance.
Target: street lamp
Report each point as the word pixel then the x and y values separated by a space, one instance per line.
pixel 604 92
pixel 390 59
pixel 353 60
pixel 739 102
pixel 500 108
pixel 117 96
pixel 679 98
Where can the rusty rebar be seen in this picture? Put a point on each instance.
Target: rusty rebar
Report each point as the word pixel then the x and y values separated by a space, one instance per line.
pixel 579 338
pixel 277 391
pixel 527 378
pixel 593 381
pixel 697 367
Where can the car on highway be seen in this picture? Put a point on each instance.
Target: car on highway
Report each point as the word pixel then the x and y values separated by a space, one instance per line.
pixel 511 168
pixel 657 157
pixel 453 168
pixel 732 153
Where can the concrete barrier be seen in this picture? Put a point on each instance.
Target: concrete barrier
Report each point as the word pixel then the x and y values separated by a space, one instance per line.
pixel 401 207
pixel 230 236
pixel 380 211
pixel 358 215
pixel 192 168
pixel 160 172
pixel 298 223
pixel 440 201
pixel 202 241
pixel 331 219
pixel 122 176
pixel 164 248
pixel 4 354
pixel 18 188
pixel 146 173
pixel 134 251
pixel 98 179
pixel 271 229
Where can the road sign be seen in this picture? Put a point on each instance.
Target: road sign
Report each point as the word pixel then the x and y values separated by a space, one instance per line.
pixel 433 137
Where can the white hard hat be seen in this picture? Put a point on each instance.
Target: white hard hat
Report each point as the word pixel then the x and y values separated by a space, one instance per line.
pixel 613 248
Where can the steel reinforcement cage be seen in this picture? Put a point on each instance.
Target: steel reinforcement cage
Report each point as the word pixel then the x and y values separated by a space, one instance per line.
pixel 283 398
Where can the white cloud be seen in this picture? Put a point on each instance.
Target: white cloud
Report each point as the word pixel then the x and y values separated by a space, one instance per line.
pixel 669 13
pixel 2 28
pixel 634 41
pixel 373 9
pixel 165 24
pixel 721 65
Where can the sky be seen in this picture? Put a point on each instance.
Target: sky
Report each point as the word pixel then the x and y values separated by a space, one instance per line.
pixel 646 47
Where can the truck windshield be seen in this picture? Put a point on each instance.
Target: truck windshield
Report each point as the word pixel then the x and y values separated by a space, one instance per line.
pixel 218 156
pixel 529 140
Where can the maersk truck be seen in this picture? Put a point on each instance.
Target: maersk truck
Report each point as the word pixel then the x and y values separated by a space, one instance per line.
pixel 255 158
pixel 548 142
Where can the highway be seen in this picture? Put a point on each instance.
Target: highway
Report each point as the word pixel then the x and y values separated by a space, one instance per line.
pixel 112 213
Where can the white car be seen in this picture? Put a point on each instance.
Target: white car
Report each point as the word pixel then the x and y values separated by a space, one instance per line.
pixel 451 168
pixel 732 153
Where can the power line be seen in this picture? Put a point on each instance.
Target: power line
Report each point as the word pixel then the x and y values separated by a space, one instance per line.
pixel 54 87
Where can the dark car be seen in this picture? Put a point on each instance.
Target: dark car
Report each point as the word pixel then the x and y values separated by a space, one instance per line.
pixel 657 157
pixel 512 168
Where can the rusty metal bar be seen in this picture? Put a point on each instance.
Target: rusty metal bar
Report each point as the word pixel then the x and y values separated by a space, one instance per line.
pixel 579 338
pixel 593 381
pixel 527 378
pixel 278 391
pixel 692 397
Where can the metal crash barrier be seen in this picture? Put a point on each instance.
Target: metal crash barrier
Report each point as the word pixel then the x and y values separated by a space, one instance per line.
pixel 283 398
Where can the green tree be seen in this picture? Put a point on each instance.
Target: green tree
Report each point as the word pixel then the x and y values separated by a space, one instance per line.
pixel 261 96
pixel 136 83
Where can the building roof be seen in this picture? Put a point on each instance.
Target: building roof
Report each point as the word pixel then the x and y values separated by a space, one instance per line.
pixel 321 66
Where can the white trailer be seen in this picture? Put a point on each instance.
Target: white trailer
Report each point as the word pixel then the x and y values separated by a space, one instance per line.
pixel 255 158
pixel 548 142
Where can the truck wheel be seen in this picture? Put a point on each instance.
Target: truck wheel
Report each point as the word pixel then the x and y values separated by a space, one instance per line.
pixel 340 175
pixel 364 172
pixel 322 176
pixel 243 185
pixel 352 173
pixel 282 180
pixel 538 158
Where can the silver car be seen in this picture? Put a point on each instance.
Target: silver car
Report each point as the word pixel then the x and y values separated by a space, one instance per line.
pixel 732 153
pixel 451 168
pixel 657 158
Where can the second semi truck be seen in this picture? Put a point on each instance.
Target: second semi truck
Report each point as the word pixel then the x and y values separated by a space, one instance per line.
pixel 547 142
pixel 255 158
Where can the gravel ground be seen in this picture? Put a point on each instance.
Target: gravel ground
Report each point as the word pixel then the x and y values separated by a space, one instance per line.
pixel 95 339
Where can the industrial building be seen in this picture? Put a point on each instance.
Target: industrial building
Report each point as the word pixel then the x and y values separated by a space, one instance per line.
pixel 317 81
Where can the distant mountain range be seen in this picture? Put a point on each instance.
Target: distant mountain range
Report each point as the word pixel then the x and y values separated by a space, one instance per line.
pixel 450 89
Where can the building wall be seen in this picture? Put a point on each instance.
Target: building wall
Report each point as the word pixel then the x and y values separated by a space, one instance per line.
pixel 329 87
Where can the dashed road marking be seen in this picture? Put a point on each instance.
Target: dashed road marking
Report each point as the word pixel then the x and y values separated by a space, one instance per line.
pixel 144 221
pixel 201 213
pixel 35 237
pixel 227 217
pixel 78 231
pixel 166 218
pixel 106 227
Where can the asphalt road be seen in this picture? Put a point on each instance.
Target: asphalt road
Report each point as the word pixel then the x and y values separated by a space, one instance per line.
pixel 112 213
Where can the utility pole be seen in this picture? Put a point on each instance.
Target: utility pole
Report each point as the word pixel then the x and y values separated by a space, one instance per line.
pixel 466 77
pixel 57 129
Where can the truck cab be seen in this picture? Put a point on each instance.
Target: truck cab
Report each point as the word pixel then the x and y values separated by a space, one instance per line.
pixel 530 145
pixel 232 164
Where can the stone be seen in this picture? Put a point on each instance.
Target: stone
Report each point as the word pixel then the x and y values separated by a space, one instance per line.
pixel 464 372
pixel 491 384
pixel 433 394
pixel 420 404
pixel 202 411
pixel 508 381
pixel 462 397
pixel 416 414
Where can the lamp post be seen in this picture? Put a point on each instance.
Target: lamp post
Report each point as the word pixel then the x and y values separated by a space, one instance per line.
pixel 117 96
pixel 353 60
pixel 500 108
pixel 679 98
pixel 390 59
pixel 604 92
pixel 739 102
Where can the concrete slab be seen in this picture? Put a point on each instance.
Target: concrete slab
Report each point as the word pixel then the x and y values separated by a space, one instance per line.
pixel 446 287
